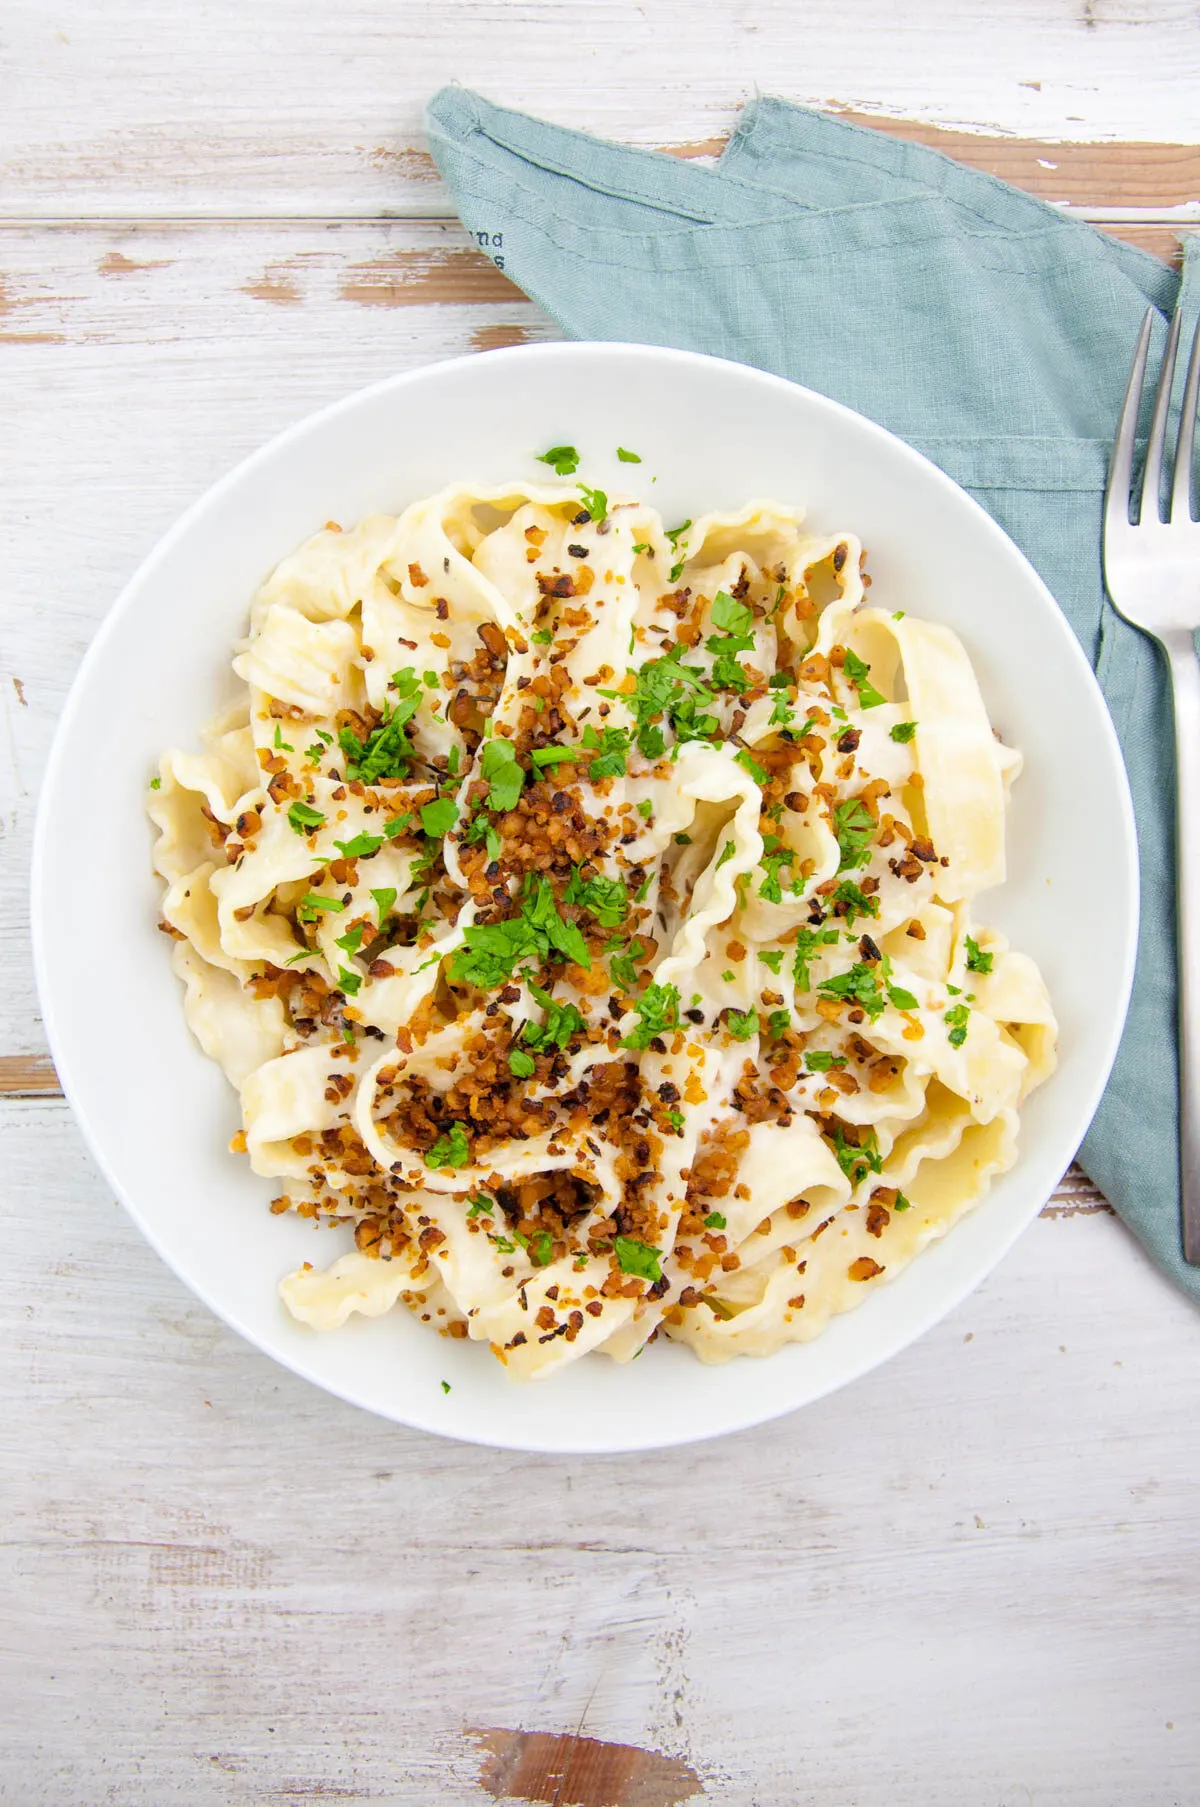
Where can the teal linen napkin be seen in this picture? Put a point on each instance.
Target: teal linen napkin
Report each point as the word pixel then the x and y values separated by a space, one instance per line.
pixel 980 325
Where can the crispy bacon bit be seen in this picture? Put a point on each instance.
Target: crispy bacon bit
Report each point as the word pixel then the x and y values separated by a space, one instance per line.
pixel 864 1268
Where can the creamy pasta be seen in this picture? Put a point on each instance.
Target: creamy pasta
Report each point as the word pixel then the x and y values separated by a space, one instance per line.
pixel 582 911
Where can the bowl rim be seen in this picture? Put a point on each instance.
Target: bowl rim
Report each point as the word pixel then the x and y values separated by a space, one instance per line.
pixel 313 423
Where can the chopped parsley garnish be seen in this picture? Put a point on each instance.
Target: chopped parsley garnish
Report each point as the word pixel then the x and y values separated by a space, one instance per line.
pixel 977 960
pixel 742 1024
pixel 483 830
pixel 859 674
pixel 715 1221
pixel 640 546
pixel 606 898
pixel 481 1205
pixel 398 825
pixel 445 1386
pixel 658 1009
pixel 903 732
pixel 360 847
pixel 313 753
pixel 541 1249
pixel 385 897
pixel 821 1060
pixel 857 1160
pixel 859 986
pixel 902 1203
pixel 772 957
pixel 498 764
pixel 901 999
pixel 781 714
pixel 854 826
pixel 492 950
pixel 347 981
pixel 304 818
pixel 310 906
pixel 609 747
pixel 775 857
pixel 431 680
pixel 855 903
pixel 732 617
pixel 563 1022
pixel 748 763
pixel 156 784
pixel 563 459
pixel 675 534
pixel 626 456
pixel 544 756
pixel 956 1021
pixel 645 808
pixel 521 1065
pixel 453 761
pixel 451 1149
pixel 622 966
pixel 595 501
pixel 634 1257
pixel 807 943
pixel 667 687
pixel 386 752
pixel 727 853
pixel 542 635
pixel 351 941
pixel 439 817
pixel 280 742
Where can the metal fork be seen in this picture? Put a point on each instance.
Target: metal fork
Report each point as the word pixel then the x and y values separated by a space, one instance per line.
pixel 1152 572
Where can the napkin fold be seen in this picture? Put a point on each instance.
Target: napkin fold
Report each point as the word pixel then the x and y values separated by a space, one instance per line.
pixel 987 329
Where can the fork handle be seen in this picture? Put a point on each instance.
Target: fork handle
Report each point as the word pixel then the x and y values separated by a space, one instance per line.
pixel 1185 682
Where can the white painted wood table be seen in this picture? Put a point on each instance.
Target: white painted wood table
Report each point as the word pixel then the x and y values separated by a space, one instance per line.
pixel 969 1581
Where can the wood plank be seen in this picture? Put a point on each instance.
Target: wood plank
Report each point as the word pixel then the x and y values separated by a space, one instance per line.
pixel 110 107
pixel 231 1588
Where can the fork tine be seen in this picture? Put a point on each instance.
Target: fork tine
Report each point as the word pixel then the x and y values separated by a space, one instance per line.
pixel 1120 466
pixel 1151 507
pixel 1181 488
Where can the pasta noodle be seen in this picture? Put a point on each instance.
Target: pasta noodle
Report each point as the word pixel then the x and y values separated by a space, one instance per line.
pixel 582 911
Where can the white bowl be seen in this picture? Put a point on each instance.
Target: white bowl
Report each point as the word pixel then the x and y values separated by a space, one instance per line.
pixel 159 1115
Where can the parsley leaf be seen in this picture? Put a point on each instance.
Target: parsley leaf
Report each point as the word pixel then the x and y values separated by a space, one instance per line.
pixel 606 898
pixel 563 459
pixel 304 818
pixel 627 457
pixel 634 1257
pixel 977 960
pixel 807 943
pixel 385 897
pixel 360 847
pixel 492 950
pixel 854 826
pixel 351 941
pixel 498 764
pixel 544 756
pixel 439 817
pixel 674 534
pixel 903 731
pixel 772 957
pixel 622 966
pixel 610 747
pixel 387 750
pixel 348 982
pixel 451 1149
pixel 859 674
pixel 521 1065
pixel 280 742
pixel 857 1160
pixel 732 617
pixel 595 501
pixel 901 999
pixel 398 825
pixel 658 1009
pixel 956 1022
pixel 310 907
pixel 742 1024
pixel 859 986
pixel 854 902
pixel 820 1060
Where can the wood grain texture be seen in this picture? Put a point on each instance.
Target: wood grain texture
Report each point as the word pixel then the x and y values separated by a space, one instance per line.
pixel 970 1578
pixel 297 108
